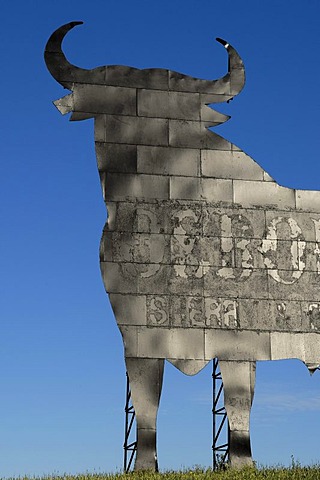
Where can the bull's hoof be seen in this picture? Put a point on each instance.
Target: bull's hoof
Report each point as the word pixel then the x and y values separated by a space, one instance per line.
pixel 240 449
pixel 146 458
pixel 145 464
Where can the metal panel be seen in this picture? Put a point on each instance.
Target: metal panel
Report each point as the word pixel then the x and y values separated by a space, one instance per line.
pixel 118 278
pixel 236 282
pixel 237 345
pixel 135 248
pixel 152 278
pixel 108 155
pixel 162 104
pixel 123 76
pixel 263 194
pixel 124 186
pixel 239 223
pixel 130 340
pixel 186 280
pixel 312 349
pixel 185 133
pixel 283 225
pixel 105 99
pixel 140 217
pixel 266 315
pixel 267 177
pixel 305 288
pixel 129 309
pixel 133 130
pixel 287 345
pixel 185 188
pixel 168 161
pixel 217 190
pixel 308 200
pixel 310 317
pixel 212 117
pixel 175 343
pixel 228 164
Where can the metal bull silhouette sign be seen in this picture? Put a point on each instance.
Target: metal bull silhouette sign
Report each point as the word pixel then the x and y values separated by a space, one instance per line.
pixel 203 254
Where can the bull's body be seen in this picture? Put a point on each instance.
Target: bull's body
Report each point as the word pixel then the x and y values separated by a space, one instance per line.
pixel 203 254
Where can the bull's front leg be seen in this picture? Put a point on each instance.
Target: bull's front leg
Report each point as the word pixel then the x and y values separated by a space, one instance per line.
pixel 145 377
pixel 238 385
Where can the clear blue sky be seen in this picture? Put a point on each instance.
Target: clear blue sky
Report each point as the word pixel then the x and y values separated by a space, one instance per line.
pixel 62 375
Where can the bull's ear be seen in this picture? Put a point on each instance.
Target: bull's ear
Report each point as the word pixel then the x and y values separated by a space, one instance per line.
pixel 65 104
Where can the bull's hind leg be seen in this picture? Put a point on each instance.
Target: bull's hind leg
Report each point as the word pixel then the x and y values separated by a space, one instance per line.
pixel 145 377
pixel 238 385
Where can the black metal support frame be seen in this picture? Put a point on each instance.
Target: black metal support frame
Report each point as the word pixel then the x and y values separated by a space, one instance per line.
pixel 130 445
pixel 220 425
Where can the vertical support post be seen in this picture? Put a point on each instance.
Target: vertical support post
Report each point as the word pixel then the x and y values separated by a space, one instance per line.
pixel 220 424
pixel 130 445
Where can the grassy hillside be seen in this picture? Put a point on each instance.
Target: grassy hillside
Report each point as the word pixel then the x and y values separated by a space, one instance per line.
pixel 294 473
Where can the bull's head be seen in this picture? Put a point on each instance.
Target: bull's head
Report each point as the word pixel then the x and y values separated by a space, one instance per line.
pixel 93 91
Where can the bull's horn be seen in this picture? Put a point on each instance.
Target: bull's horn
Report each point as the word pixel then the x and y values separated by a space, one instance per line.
pixel 60 68
pixel 236 73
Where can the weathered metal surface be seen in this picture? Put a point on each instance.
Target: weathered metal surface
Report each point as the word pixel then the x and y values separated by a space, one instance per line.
pixel 203 254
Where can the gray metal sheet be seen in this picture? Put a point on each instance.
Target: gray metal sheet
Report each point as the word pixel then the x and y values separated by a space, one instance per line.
pixel 118 278
pixel 312 348
pixel 124 76
pixel 239 223
pixel 133 130
pixel 162 104
pixel 135 248
pixel 305 288
pixel 186 280
pixel 283 225
pixel 237 345
pixel 125 186
pixel 171 343
pixel 105 99
pixel 287 345
pixel 212 117
pixel 310 321
pixel 217 190
pixel 229 164
pixel 168 161
pixel 236 282
pixel 308 200
pixel 268 315
pixel 138 217
pixel 185 188
pixel 191 134
pixel 152 278
pixel 263 194
pixel 108 155
pixel 129 309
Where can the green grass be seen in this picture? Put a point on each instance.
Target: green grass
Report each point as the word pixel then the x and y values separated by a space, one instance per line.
pixel 276 473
